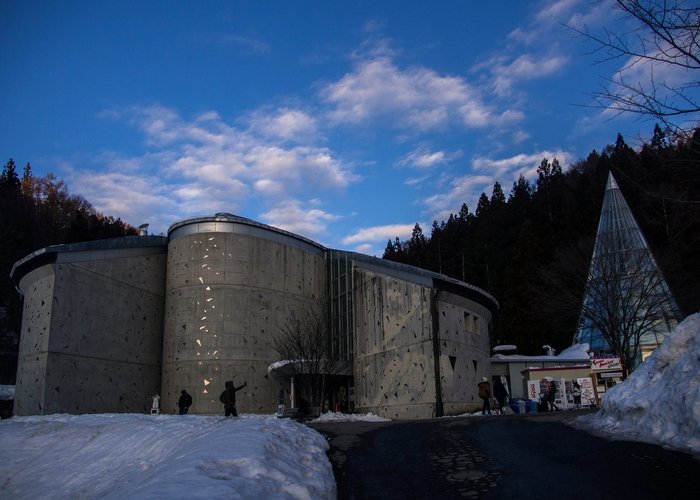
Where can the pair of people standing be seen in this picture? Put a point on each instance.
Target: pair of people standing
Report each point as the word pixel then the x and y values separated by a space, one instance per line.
pixel 228 398
pixel 499 392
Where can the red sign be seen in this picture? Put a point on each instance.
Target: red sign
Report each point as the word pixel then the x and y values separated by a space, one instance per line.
pixel 599 364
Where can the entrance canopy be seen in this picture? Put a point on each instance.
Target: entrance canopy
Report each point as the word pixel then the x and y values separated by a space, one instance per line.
pixel 283 369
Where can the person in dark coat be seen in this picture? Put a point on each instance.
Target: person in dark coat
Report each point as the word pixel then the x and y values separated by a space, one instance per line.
pixel 552 396
pixel 184 402
pixel 577 394
pixel 500 393
pixel 485 394
pixel 228 398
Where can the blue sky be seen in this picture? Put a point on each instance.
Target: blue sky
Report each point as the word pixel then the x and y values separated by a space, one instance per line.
pixel 345 122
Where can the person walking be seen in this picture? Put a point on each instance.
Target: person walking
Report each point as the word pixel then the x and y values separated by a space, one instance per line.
pixel 552 396
pixel 184 402
pixel 500 393
pixel 228 398
pixel 485 394
pixel 577 395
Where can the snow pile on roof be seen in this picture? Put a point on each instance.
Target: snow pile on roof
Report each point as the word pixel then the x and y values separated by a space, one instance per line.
pixel 349 417
pixel 575 353
pixel 115 456
pixel 660 402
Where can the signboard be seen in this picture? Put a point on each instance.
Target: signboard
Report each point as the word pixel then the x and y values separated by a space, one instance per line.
pixel 599 364
pixel 587 392
pixel 611 375
pixel 533 390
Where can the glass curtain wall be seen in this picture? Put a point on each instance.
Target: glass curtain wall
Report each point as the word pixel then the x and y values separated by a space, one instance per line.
pixel 340 293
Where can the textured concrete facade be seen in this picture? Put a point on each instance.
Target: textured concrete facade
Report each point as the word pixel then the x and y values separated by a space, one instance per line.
pixel 409 361
pixel 230 285
pixel 109 324
pixel 91 336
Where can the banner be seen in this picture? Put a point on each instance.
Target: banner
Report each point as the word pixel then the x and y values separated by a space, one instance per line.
pixel 598 364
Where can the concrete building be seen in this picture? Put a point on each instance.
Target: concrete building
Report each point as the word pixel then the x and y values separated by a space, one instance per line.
pixel 108 324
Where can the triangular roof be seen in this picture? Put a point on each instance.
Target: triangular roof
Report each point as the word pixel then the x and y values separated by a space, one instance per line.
pixel 620 241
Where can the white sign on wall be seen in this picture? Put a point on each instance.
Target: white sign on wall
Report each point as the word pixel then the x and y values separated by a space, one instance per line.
pixel 587 392
pixel 533 390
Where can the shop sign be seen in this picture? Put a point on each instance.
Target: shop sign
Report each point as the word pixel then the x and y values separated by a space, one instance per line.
pixel 598 364
pixel 611 375
pixel 587 392
pixel 533 390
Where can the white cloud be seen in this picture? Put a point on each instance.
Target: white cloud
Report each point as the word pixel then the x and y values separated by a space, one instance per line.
pixel 204 165
pixel 556 10
pixel 520 136
pixel 269 187
pixel 379 233
pixel 465 189
pixel 424 158
pixel 507 169
pixel 365 248
pixel 557 13
pixel 136 199
pixel 488 171
pixel 524 67
pixel 598 13
pixel 416 98
pixel 291 216
pixel 284 123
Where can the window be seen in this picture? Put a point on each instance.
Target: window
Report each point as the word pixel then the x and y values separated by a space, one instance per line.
pixel 472 323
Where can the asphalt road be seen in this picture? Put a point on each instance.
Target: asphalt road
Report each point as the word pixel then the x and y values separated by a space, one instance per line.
pixel 501 457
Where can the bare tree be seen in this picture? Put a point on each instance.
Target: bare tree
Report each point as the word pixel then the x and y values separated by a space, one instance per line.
pixel 624 296
pixel 664 40
pixel 627 300
pixel 304 341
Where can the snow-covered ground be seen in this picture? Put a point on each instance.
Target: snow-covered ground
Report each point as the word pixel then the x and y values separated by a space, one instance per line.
pixel 660 402
pixel 346 417
pixel 116 456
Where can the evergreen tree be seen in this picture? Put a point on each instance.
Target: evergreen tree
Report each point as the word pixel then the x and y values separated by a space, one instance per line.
pixel 35 213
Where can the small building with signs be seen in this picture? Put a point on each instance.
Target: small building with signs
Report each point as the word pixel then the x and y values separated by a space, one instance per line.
pixel 540 379
pixel 519 370
pixel 606 372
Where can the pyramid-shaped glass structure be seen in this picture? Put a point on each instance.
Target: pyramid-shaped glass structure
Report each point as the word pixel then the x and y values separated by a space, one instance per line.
pixel 625 291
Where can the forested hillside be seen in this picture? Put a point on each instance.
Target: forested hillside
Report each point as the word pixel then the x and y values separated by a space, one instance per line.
pixel 531 248
pixel 36 212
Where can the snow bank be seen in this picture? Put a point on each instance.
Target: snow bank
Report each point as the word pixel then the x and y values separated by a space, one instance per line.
pixel 660 402
pixel 349 417
pixel 115 456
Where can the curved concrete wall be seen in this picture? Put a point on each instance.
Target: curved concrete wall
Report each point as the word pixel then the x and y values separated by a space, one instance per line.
pixel 92 327
pixel 230 282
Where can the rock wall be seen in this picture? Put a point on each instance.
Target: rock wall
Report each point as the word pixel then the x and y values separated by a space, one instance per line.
pixel 395 350
pixel 228 292
pixel 92 333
